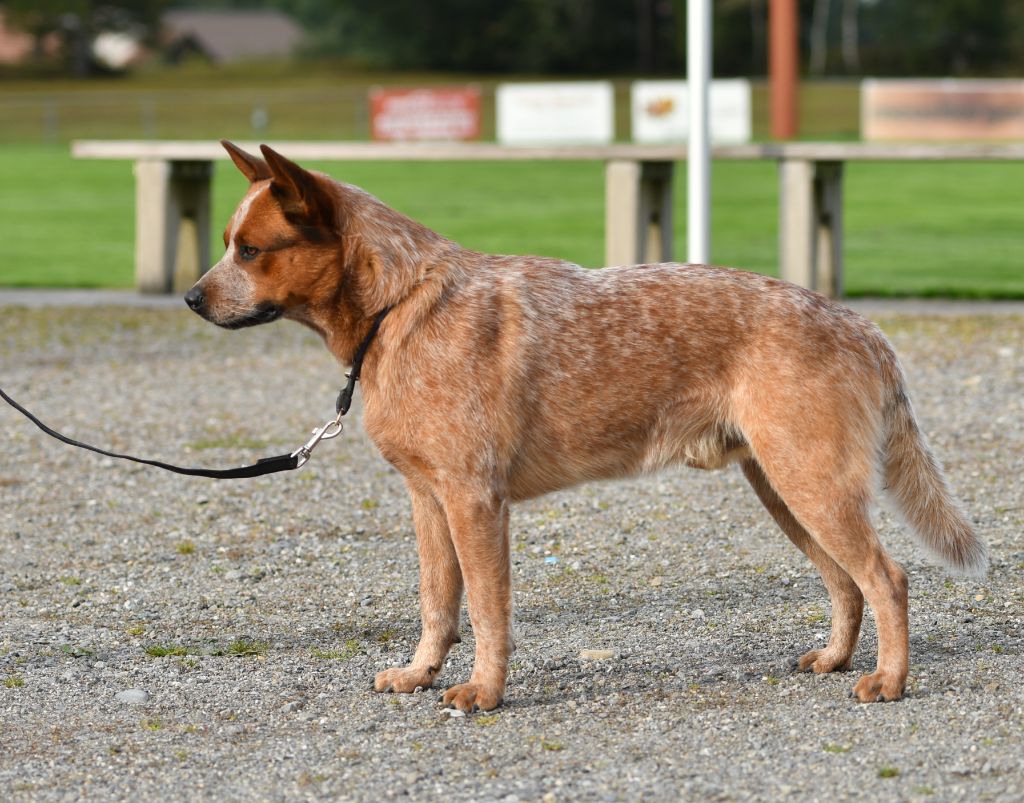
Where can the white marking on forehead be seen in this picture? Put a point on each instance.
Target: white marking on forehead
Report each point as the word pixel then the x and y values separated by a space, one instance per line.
pixel 240 215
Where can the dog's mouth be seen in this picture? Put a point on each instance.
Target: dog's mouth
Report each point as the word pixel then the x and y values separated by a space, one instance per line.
pixel 263 313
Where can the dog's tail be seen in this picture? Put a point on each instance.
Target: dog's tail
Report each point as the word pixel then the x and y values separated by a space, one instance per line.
pixel 914 480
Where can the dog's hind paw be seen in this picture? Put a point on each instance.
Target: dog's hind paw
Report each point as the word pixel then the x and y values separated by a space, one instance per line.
pixel 821 661
pixel 470 697
pixel 404 681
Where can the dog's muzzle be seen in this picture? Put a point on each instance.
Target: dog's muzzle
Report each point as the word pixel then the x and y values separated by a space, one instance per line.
pixel 261 313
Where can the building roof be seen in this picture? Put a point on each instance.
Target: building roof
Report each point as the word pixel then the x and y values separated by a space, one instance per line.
pixel 227 36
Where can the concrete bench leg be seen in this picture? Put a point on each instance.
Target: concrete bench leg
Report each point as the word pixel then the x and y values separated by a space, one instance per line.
pixel 811 224
pixel 638 212
pixel 172 224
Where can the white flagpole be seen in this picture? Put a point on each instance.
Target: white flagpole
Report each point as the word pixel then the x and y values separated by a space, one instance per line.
pixel 698 76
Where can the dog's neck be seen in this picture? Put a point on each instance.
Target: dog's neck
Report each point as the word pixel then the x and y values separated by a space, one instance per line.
pixel 389 259
pixel 343 324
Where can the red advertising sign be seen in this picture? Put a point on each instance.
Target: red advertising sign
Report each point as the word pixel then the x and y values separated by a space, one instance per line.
pixel 403 115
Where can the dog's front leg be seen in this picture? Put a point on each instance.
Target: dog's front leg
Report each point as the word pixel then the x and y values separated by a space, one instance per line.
pixel 440 598
pixel 478 518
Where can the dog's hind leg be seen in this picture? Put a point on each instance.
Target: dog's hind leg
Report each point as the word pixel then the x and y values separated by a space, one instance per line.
pixel 826 484
pixel 847 600
pixel 440 598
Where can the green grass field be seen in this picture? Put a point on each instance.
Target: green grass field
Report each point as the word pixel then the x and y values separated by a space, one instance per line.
pixel 911 229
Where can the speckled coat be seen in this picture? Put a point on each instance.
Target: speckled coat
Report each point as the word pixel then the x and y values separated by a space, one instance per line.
pixel 499 378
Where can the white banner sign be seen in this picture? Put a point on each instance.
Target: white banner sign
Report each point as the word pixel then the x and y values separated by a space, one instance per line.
pixel 660 111
pixel 556 114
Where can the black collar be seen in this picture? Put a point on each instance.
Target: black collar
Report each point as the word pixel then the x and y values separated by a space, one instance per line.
pixel 345 396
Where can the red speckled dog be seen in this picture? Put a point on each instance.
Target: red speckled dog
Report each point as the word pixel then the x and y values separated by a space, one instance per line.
pixel 498 378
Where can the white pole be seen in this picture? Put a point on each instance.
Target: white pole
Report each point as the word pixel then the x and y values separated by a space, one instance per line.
pixel 698 177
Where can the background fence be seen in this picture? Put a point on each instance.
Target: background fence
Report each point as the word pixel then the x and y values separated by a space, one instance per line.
pixel 829 109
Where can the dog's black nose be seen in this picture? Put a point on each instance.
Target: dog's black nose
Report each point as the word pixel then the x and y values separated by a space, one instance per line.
pixel 195 298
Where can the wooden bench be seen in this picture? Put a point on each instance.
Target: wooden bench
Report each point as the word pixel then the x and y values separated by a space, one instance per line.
pixel 811 197
pixel 173 179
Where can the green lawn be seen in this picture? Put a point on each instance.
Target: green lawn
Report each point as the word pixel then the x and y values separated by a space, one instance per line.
pixel 911 229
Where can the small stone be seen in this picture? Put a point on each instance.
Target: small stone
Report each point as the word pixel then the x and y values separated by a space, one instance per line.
pixel 596 655
pixel 234 730
pixel 133 697
pixel 234 574
pixel 454 713
pixel 292 707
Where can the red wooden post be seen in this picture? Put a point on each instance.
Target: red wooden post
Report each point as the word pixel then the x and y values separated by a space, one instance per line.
pixel 783 67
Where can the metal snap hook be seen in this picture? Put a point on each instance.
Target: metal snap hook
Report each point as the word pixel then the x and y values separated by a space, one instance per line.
pixel 332 429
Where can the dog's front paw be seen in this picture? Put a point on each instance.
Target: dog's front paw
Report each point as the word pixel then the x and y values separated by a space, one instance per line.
pixel 404 680
pixel 820 661
pixel 470 697
pixel 879 687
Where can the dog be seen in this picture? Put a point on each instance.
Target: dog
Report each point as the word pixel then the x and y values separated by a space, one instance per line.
pixel 494 379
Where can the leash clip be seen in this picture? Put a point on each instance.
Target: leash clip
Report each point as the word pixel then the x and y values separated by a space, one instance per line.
pixel 332 429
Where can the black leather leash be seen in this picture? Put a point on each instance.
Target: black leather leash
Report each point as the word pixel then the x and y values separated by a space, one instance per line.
pixel 268 465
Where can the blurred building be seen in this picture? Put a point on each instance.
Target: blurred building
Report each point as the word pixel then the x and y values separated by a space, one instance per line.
pixel 230 35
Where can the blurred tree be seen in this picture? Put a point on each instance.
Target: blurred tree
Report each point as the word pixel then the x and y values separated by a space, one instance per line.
pixel 851 35
pixel 78 21
pixel 882 37
pixel 819 36
pixel 942 37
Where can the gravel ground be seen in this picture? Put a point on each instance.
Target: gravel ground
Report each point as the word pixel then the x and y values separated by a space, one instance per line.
pixel 188 639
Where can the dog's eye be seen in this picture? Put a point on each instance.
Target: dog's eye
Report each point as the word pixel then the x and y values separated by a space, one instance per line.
pixel 248 252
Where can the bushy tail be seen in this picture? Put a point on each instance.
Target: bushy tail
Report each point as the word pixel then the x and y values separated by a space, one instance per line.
pixel 914 480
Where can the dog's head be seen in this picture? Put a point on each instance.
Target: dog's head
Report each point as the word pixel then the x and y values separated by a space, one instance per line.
pixel 281 242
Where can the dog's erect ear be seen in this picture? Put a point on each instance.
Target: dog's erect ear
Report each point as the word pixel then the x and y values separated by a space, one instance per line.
pixel 252 167
pixel 301 195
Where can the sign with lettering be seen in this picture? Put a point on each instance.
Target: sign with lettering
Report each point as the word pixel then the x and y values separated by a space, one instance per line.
pixel 660 111
pixel 556 114
pixel 404 115
pixel 946 109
